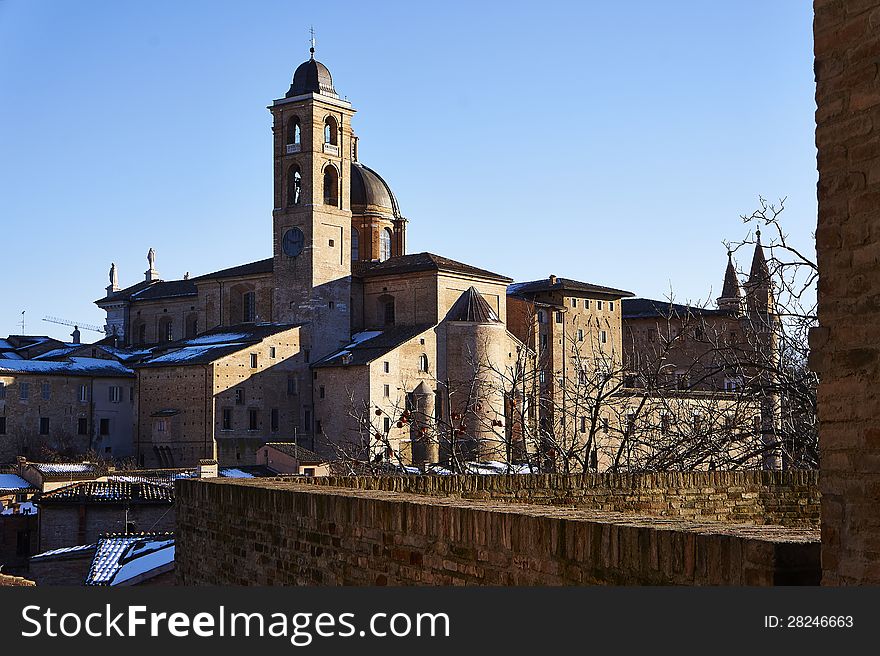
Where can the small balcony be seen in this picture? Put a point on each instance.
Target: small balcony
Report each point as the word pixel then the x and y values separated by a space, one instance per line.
pixel 293 148
pixel 331 149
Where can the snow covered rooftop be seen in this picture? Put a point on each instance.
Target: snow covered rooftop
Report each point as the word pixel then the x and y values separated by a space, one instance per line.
pixel 110 492
pixel 13 482
pixel 128 559
pixel 70 367
pixel 76 550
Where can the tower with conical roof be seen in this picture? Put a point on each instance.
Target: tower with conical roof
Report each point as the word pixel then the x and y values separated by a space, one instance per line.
pixel 730 299
pixel 312 150
pixel 759 288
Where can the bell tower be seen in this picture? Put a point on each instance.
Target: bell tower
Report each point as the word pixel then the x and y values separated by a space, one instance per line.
pixel 312 142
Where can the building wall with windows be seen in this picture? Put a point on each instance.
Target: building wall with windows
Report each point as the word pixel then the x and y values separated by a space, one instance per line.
pixel 47 412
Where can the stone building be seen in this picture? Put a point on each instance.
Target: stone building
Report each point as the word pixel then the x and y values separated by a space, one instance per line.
pixel 71 406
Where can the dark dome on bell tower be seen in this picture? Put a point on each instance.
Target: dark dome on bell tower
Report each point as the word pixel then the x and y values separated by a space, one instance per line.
pixel 312 77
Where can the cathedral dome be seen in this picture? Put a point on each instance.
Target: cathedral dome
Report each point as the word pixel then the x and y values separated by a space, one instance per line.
pixel 370 193
pixel 312 77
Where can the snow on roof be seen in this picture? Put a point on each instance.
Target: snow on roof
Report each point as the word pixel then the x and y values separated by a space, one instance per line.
pixel 64 467
pixel 188 353
pixel 357 338
pixel 23 508
pixel 65 551
pixel 11 355
pixel 120 558
pixel 71 367
pixel 5 344
pixel 59 352
pixel 217 338
pixel 13 482
pixel 232 472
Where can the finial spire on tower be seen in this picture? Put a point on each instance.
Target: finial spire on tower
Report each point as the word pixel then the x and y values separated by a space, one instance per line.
pixel 312 41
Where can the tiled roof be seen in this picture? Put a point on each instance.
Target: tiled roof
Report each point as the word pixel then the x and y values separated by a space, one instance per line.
pixel 53 471
pixel 151 290
pixel 472 307
pixel 376 344
pixel 645 308
pixel 121 559
pixel 212 345
pixel 69 367
pixel 563 284
pixel 293 450
pixel 108 492
pixel 65 552
pixel 14 483
pixel 427 262
pixel 250 269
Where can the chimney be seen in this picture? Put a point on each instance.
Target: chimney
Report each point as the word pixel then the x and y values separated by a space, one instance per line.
pixel 208 469
pixel 552 279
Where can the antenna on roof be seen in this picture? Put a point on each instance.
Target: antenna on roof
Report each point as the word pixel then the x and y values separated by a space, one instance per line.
pixel 22 321
pixel 312 41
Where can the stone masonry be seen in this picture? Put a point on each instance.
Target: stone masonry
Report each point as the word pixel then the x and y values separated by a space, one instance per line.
pixel 846 347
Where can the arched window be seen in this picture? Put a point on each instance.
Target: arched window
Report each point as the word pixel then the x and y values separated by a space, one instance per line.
pixel 249 307
pixel 331 186
pixel 294 185
pixel 139 331
pixel 166 329
pixel 385 244
pixel 331 130
pixel 355 245
pixel 386 309
pixel 423 362
pixel 192 326
pixel 294 134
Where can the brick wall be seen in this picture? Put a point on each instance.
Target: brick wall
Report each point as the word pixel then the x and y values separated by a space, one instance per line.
pixel 70 524
pixel 751 497
pixel 847 345
pixel 280 533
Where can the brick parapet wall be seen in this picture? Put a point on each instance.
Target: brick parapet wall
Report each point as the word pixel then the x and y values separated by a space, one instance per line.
pixel 283 533
pixel 752 497
pixel 846 347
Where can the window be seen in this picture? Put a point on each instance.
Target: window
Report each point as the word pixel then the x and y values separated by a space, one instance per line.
pixel 389 313
pixel 45 391
pixel 423 362
pixel 318 427
pixel 544 341
pixel 291 386
pixel 104 426
pixel 386 391
pixel 254 360
pixel 331 185
pixel 161 425
pixel 321 392
pixel 583 424
pixel 603 337
pixel 294 185
pixel 294 132
pixel 605 424
pixel 142 333
pixel 82 426
pixel 24 390
pixel 664 424
pixel 355 244
pixel 586 304
pixel 541 318
pixel 273 419
pixel 580 335
pixel 226 419
pixel 115 393
pixel 386 367
pixel 2 390
pixel 756 423
pixel 192 327
pixel 249 307
pixel 44 425
pixel 253 419
pixel 698 423
pixel 307 419
pixel 611 306
pixel 574 302
pixel 385 244
pixel 386 425
pixel 728 421
pixel 598 305
pixel 2 425
pixel 331 131
pixel 272 352
pixel 239 397
pixel 166 329
pixel 559 317
pixel 308 471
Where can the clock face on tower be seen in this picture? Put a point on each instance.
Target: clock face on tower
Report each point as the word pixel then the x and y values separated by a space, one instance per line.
pixel 292 242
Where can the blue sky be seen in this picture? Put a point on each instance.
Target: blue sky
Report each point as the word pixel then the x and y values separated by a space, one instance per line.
pixel 616 143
